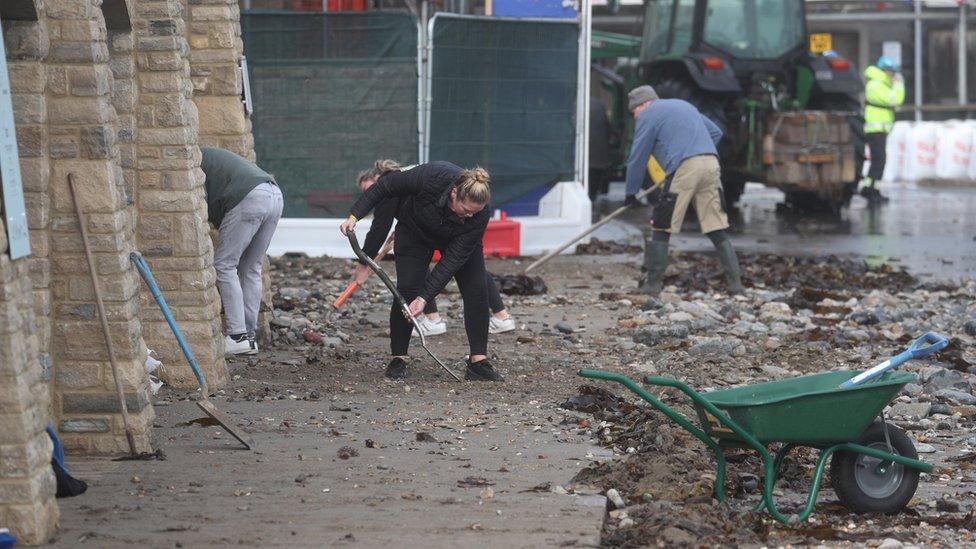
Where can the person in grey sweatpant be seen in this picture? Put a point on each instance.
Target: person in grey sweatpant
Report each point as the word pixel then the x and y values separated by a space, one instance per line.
pixel 245 205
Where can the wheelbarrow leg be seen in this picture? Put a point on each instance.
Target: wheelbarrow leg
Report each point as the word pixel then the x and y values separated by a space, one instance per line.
pixel 777 465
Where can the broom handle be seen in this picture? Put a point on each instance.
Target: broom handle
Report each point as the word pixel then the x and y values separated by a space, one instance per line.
pixel 581 235
pixel 353 286
pixel 102 317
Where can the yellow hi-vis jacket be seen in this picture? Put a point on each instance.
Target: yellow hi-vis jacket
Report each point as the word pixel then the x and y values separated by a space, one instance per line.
pixel 881 96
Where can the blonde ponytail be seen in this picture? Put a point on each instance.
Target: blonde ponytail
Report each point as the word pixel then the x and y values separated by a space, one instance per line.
pixel 474 186
pixel 380 167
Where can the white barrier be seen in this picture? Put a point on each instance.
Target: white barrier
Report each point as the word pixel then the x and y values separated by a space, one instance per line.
pixel 931 150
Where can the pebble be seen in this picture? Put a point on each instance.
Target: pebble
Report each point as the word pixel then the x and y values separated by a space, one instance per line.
pixel 956 397
pixel 614 496
pixel 564 328
pixel 915 410
pixel 680 316
pixel 970 327
pixel 890 543
pixel 923 448
pixel 652 335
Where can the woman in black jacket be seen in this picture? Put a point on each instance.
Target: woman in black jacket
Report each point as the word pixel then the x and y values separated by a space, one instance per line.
pixel 430 322
pixel 441 207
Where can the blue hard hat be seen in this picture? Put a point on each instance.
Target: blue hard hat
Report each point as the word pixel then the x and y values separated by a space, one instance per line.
pixel 886 63
pixel 830 54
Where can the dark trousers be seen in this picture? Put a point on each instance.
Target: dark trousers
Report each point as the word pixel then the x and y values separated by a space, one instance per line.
pixel 495 302
pixel 877 143
pixel 412 261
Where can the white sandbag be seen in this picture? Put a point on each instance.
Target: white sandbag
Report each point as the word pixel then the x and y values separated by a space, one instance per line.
pixel 921 151
pixel 971 169
pixel 895 151
pixel 954 150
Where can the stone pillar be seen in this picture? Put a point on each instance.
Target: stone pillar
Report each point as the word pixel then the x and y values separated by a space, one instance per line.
pixel 215 52
pixel 82 131
pixel 27 485
pixel 27 44
pixel 172 226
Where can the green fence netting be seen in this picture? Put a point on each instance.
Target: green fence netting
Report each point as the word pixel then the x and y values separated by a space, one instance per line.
pixel 503 96
pixel 332 92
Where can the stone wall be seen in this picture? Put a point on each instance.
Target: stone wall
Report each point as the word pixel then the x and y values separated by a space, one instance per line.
pixel 103 90
pixel 27 486
pixel 172 231
pixel 82 126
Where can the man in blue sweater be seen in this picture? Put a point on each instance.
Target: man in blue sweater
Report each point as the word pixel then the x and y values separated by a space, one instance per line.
pixel 674 146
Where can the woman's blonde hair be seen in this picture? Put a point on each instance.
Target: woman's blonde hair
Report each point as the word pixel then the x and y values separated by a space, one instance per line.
pixel 474 186
pixel 380 167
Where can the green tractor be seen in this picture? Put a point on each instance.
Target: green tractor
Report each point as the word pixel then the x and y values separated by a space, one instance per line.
pixel 791 119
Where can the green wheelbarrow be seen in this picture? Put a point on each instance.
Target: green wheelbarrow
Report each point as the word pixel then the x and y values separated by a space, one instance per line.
pixel 874 465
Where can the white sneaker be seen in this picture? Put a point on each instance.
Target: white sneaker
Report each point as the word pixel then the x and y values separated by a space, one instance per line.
pixel 244 347
pixel 500 325
pixel 429 327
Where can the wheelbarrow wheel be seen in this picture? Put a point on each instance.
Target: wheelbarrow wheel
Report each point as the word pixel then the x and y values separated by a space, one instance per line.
pixel 868 485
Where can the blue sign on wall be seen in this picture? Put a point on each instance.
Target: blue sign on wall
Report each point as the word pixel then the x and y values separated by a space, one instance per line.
pixel 563 9
pixel 13 190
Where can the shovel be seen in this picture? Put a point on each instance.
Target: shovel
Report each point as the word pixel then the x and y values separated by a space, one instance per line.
pixel 581 235
pixel 396 294
pixel 353 286
pixel 204 402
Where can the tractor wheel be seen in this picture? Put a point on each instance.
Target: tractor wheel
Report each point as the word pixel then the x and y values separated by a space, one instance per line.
pixel 869 485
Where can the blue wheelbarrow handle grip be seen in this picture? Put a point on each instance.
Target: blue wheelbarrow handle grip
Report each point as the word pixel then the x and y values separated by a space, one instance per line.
pixel 935 343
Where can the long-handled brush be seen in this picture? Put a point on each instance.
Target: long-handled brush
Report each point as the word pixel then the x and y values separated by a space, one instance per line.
pixel 396 295
pixel 204 402
pixel 96 284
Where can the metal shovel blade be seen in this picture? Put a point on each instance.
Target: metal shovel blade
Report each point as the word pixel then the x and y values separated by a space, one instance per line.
pixel 226 423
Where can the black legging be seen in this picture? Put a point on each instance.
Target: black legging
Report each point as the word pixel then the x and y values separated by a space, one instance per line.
pixel 494 297
pixel 877 142
pixel 412 261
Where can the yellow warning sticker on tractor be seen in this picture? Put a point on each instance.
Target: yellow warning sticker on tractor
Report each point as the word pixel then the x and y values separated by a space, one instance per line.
pixel 821 42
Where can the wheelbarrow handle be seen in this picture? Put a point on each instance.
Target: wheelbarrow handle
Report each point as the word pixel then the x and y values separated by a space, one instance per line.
pixel 934 341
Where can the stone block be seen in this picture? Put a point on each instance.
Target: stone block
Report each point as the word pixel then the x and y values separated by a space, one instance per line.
pixel 167 136
pixel 165 61
pixel 26 77
pixel 155 227
pixel 64 147
pixel 211 13
pixel 97 142
pixel 79 111
pixel 78 52
pixel 35 523
pixel 69 10
pixel 79 30
pixel 173 111
pixel 38 209
pixel 167 201
pixel 225 80
pixel 34 174
pixel 164 27
pixel 29 108
pixel 212 57
pixel 94 184
pixel 86 425
pixel 92 80
pixel 103 403
pixel 26 40
pixel 31 140
pixel 159 43
pixel 220 115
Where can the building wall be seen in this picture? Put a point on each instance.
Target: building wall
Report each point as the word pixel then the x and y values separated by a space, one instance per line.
pixel 104 92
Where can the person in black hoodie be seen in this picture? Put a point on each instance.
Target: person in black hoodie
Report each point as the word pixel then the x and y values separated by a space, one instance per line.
pixel 443 207
pixel 430 322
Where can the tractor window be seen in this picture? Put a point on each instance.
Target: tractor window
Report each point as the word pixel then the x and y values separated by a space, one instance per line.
pixel 754 29
pixel 659 36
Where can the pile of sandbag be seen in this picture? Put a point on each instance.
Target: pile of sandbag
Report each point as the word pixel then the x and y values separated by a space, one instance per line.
pixel 919 151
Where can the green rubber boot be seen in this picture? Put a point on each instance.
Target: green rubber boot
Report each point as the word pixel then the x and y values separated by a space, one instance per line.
pixel 656 262
pixel 730 263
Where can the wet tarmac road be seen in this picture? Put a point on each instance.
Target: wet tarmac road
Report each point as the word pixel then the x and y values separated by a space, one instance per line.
pixel 930 230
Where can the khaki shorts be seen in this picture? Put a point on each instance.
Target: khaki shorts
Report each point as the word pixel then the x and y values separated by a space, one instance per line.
pixel 698 179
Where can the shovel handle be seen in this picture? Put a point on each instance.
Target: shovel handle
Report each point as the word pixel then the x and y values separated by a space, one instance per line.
pixel 934 341
pixel 345 295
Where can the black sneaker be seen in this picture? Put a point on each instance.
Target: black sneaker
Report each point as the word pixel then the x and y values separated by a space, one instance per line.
pixel 397 369
pixel 481 371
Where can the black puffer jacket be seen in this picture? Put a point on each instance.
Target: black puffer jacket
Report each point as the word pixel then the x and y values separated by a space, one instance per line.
pixel 424 210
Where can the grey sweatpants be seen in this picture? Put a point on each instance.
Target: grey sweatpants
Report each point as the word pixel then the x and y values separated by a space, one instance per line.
pixel 245 234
